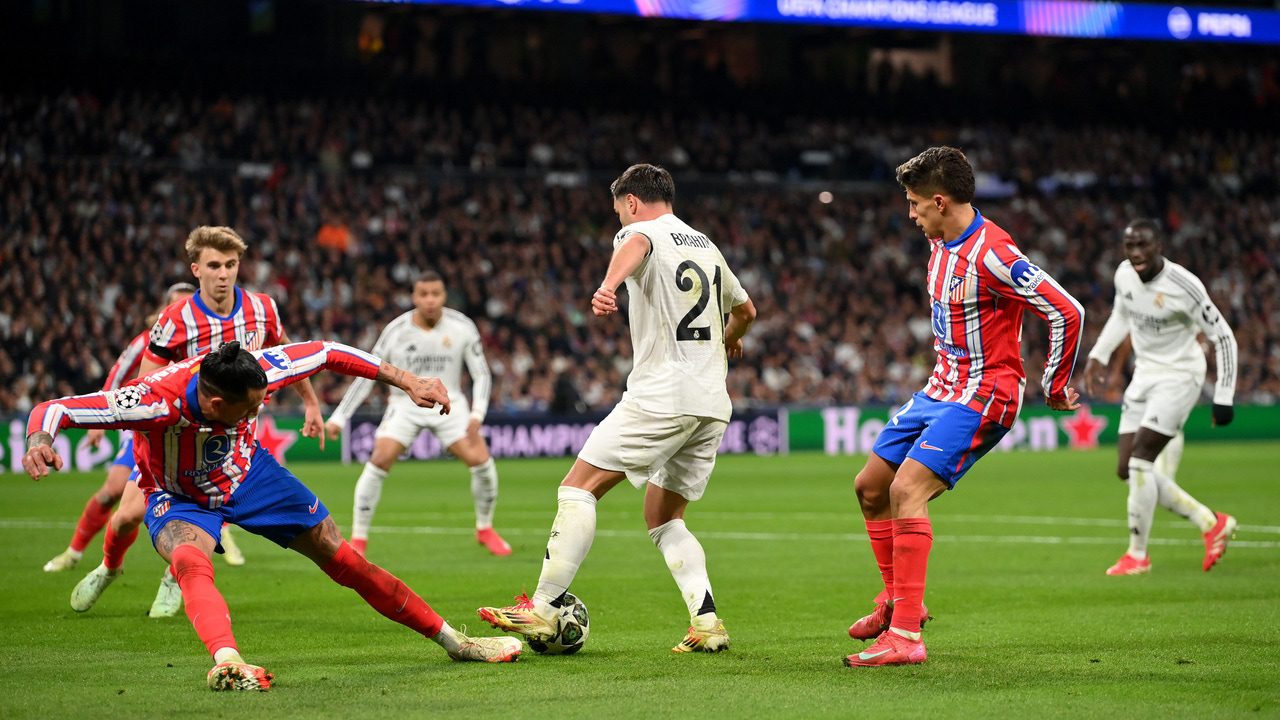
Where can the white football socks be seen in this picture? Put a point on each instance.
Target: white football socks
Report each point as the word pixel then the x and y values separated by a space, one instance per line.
pixel 448 638
pixel 1143 493
pixel 572 533
pixel 688 564
pixel 368 492
pixel 484 490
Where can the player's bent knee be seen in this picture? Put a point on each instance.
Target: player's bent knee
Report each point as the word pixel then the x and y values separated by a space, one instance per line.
pixel 320 543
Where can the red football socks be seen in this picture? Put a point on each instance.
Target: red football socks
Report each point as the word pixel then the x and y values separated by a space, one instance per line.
pixel 881 534
pixel 205 607
pixel 385 592
pixel 912 540
pixel 95 515
pixel 115 546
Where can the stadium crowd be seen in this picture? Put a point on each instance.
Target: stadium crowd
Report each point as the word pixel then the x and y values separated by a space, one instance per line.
pixel 343 203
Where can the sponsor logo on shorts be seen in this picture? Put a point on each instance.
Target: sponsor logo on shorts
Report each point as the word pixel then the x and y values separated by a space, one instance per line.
pixel 314 506
pixel 924 445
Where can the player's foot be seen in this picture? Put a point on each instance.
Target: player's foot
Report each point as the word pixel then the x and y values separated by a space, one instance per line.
pixel 889 649
pixel 871 625
pixel 519 618
pixel 1130 565
pixel 239 676
pixel 1215 541
pixel 490 538
pixel 88 590
pixel 360 545
pixel 64 560
pixel 230 550
pixel 711 640
pixel 168 598
pixel 487 649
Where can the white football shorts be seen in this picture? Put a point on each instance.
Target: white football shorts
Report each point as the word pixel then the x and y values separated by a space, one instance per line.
pixel 674 452
pixel 1160 401
pixel 403 421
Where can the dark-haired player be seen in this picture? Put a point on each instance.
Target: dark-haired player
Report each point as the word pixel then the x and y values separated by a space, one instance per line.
pixel 664 433
pixel 1161 306
pixel 195 423
pixel 979 285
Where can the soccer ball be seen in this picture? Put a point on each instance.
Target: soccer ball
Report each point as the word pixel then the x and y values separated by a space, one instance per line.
pixel 572 632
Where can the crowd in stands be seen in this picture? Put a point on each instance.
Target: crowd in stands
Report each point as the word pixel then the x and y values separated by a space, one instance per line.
pixel 344 202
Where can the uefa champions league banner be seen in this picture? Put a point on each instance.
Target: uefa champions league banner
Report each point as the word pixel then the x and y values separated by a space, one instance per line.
pixel 832 430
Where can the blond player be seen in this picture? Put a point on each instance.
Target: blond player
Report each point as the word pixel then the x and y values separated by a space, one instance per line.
pixel 664 433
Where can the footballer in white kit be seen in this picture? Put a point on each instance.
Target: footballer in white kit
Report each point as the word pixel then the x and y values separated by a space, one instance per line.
pixel 1162 306
pixel 664 433
pixel 437 341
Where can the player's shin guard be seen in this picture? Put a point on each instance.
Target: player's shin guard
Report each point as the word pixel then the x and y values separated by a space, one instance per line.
pixel 368 492
pixel 881 534
pixel 206 608
pixel 484 491
pixel 912 541
pixel 688 564
pixel 572 533
pixel 94 516
pixel 115 545
pixel 384 592
pixel 1143 494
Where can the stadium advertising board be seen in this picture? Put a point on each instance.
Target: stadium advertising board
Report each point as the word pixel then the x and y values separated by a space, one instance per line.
pixel 1052 18
pixel 834 431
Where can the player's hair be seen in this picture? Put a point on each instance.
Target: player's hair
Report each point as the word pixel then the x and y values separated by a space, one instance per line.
pixel 650 183
pixel 1151 224
pixel 230 372
pixel 180 287
pixel 429 276
pixel 222 239
pixel 938 170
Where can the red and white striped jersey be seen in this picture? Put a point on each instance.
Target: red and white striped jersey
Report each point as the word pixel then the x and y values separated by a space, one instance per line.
pixel 188 328
pixel 126 367
pixel 979 285
pixel 177 449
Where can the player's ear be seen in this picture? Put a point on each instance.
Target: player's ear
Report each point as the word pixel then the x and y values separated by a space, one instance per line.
pixel 939 202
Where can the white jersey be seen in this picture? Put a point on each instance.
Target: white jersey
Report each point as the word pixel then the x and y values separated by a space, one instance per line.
pixel 438 352
pixel 1163 317
pixel 679 297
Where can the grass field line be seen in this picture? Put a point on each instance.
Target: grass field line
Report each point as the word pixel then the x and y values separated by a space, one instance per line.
pixel 36 524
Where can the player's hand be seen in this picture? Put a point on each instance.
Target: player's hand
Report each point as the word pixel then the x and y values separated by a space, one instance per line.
pixel 313 424
pixel 38 460
pixel 94 437
pixel 1069 401
pixel 1223 415
pixel 604 302
pixel 733 348
pixel 428 392
pixel 333 430
pixel 1095 377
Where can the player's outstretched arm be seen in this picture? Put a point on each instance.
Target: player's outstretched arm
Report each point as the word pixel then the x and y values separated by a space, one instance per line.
pixel 132 407
pixel 425 392
pixel 740 319
pixel 627 257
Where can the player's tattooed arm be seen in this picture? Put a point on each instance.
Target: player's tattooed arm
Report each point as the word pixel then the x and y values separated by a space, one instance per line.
pixel 40 455
pixel 424 391
pixel 38 438
pixel 391 375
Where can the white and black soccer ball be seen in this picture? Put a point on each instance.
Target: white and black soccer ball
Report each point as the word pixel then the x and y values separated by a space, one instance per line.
pixel 574 626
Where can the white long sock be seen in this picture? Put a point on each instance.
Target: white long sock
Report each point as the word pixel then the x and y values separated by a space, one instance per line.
pixel 368 492
pixel 1143 492
pixel 571 536
pixel 1170 457
pixel 688 565
pixel 1173 497
pixel 448 638
pixel 484 490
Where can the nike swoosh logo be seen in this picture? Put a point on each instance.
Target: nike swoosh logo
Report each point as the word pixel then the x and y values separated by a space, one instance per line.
pixel 314 507
pixel 924 445
pixel 870 656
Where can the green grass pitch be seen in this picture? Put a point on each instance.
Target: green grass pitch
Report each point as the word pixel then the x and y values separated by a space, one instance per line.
pixel 1026 624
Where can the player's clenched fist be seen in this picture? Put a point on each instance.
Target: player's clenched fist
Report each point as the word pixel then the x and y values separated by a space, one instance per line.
pixel 428 392
pixel 604 302
pixel 38 460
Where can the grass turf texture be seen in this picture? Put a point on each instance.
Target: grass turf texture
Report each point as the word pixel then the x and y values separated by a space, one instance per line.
pixel 1026 623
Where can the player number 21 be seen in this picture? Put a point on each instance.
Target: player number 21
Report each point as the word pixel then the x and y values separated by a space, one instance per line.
pixel 684 281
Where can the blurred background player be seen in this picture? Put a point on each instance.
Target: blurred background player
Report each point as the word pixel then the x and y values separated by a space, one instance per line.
pixel 1161 305
pixel 664 433
pixel 202 467
pixel 438 340
pixel 98 510
pixel 980 284
pixel 219 312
